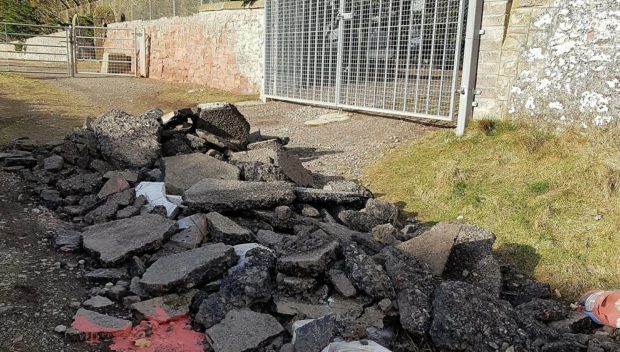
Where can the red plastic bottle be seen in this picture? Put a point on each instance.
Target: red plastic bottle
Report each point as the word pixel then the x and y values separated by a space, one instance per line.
pixel 603 307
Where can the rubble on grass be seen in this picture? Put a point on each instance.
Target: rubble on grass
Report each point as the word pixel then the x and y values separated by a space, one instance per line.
pixel 193 222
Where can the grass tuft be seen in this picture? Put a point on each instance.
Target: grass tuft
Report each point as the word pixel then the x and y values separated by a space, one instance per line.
pixel 551 199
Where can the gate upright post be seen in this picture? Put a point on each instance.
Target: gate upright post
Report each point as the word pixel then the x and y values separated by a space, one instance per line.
pixel 470 64
pixel 6 40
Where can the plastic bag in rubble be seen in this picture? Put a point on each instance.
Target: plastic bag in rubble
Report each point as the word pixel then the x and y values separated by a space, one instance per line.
pixel 603 307
pixel 355 346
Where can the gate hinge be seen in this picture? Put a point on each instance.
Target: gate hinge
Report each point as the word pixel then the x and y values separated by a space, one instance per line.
pixel 477 92
pixel 474 104
pixel 482 32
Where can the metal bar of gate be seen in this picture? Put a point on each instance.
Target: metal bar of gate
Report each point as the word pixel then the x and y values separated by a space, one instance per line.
pixel 339 51
pixel 470 60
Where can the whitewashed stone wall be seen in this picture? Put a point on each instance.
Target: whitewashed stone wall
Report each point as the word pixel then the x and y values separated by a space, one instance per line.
pixel 551 60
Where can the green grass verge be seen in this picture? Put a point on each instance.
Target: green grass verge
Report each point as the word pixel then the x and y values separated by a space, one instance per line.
pixel 553 200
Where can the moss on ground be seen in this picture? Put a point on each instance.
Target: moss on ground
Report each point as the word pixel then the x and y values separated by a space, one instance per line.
pixel 552 199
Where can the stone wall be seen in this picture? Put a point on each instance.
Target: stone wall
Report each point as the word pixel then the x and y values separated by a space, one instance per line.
pixel 552 60
pixel 221 49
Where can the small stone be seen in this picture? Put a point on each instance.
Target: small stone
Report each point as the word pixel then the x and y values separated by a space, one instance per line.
pixel 310 211
pixel 385 234
pixel 53 163
pixel 97 302
pixel 341 283
pixel 60 329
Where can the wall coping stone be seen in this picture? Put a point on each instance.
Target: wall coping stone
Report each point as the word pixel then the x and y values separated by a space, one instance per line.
pixel 231 5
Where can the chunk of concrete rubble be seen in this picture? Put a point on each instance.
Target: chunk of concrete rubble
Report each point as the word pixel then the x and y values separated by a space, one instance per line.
pixel 128 141
pixel 386 212
pixel 284 220
pixel 188 268
pixel 68 240
pixel 434 246
pixel 223 120
pixel 189 238
pixel 80 184
pixel 53 163
pixel 289 163
pixel 575 323
pixel 367 276
pixel 347 186
pixel 385 234
pixel 222 229
pixel 112 186
pixel 118 240
pixel 341 283
pixel 14 154
pixel 27 162
pixel 269 238
pixel 272 144
pixel 308 255
pixel 466 315
pixel 545 310
pixel 343 233
pixel 165 308
pixel 91 323
pixel 184 171
pixel 358 220
pixel 472 254
pixel 108 210
pixel 247 283
pixel 355 346
pixel 127 175
pixel 229 195
pixel 155 194
pixel 105 275
pixel 342 309
pixel 199 221
pixel 325 197
pixel 97 302
pixel 415 284
pixel 312 335
pixel 233 334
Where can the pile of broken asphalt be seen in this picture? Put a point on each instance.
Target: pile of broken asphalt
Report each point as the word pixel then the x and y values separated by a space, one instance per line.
pixel 204 236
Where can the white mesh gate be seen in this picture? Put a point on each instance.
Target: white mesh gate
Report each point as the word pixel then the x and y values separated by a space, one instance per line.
pixel 400 57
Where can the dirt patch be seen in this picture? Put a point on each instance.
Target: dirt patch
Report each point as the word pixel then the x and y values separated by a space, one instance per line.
pixel 37 285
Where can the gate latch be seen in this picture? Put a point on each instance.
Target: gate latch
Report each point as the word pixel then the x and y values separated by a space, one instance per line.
pixel 346 16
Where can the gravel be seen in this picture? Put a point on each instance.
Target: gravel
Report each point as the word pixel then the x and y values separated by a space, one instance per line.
pixel 337 149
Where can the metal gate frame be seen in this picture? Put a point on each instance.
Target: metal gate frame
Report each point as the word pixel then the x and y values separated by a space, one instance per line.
pixel 110 51
pixel 118 54
pixel 283 82
pixel 52 58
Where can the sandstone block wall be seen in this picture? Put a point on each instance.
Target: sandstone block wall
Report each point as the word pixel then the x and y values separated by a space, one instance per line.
pixel 221 49
pixel 550 60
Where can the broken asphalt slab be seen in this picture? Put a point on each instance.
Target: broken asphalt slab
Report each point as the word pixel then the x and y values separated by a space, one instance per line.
pixel 184 171
pixel 229 195
pixel 243 330
pixel 187 269
pixel 116 241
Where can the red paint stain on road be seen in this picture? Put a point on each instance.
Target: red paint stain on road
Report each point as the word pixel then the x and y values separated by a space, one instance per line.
pixel 151 336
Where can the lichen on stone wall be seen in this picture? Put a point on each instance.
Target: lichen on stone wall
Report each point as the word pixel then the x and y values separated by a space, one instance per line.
pixel 569 72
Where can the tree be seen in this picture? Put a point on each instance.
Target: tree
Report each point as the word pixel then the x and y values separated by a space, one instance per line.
pixel 18 11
